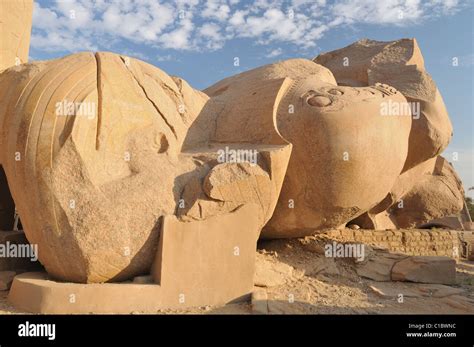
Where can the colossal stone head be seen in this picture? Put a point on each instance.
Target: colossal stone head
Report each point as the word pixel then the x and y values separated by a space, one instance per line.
pixel 99 148
pixel 346 155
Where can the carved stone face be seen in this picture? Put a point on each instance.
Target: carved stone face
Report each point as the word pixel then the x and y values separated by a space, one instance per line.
pixel 346 155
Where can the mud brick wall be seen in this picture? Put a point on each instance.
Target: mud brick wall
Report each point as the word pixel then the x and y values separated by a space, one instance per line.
pixel 412 242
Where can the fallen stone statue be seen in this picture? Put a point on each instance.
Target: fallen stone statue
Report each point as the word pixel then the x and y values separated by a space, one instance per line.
pixel 119 170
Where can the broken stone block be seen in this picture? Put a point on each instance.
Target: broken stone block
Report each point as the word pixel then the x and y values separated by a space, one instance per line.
pixel 196 265
pixel 379 265
pixel 197 261
pixel 425 269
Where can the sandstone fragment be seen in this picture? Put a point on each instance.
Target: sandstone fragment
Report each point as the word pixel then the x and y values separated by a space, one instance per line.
pixel 379 266
pixel 425 269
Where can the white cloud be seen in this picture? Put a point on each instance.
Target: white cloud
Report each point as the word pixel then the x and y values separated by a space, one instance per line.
pixel 56 41
pixel 216 9
pixel 446 5
pixel 208 24
pixel 80 16
pixel 238 18
pixel 167 57
pixel 44 18
pixel 274 53
pixel 179 38
pixel 210 30
pixel 275 25
pixel 210 36
pixel 378 12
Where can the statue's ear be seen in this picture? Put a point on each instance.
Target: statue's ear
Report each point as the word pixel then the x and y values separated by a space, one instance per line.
pixel 249 114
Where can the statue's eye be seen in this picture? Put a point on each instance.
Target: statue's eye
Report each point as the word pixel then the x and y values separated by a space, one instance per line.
pixel 319 101
pixel 335 92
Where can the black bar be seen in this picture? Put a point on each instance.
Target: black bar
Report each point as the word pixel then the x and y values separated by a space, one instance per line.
pixel 319 330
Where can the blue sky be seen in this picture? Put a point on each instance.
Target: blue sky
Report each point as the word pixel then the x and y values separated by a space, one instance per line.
pixel 199 39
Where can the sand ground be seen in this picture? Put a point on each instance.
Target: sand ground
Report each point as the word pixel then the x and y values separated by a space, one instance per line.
pixel 305 282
